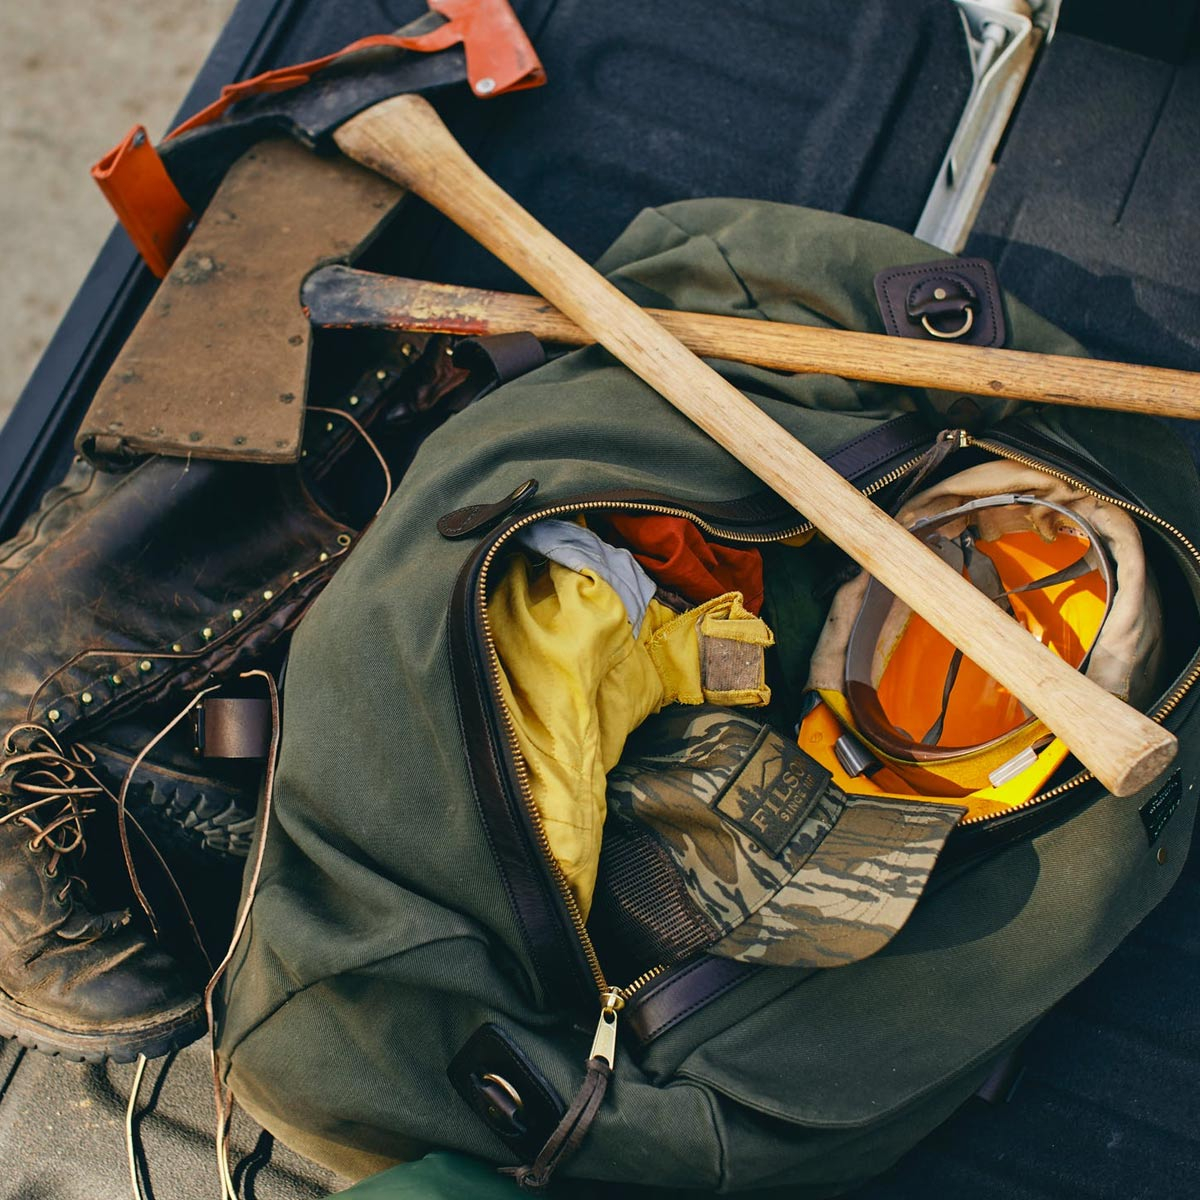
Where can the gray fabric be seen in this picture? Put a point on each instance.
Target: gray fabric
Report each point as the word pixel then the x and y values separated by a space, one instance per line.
pixel 576 548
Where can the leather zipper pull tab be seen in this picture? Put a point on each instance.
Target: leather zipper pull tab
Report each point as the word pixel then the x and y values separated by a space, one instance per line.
pixel 475 518
pixel 946 443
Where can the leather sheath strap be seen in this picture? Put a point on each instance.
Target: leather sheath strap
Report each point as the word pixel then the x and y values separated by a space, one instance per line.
pixel 232 727
pixel 497 359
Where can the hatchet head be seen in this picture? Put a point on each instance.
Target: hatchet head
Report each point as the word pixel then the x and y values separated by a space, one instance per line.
pixel 197 160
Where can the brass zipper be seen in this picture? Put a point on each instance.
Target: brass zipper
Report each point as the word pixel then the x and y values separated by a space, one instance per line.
pixel 612 998
pixel 1172 702
pixel 606 991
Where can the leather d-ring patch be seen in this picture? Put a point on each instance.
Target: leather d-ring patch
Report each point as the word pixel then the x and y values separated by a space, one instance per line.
pixel 951 300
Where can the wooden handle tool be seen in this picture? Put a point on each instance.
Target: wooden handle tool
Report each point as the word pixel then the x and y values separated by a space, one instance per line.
pixel 404 139
pixel 343 297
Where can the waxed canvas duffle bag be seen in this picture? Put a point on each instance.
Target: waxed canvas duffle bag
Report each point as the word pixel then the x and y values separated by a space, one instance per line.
pixel 433 958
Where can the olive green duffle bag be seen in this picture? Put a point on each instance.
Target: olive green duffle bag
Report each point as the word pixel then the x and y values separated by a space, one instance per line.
pixel 418 971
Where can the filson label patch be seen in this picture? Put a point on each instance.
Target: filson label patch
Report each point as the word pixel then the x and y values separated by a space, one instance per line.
pixel 773 792
pixel 1159 809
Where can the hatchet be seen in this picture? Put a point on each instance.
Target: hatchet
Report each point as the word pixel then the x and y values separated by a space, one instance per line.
pixel 340 297
pixel 403 139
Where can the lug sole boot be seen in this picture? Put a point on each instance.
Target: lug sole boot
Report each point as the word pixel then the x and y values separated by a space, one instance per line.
pixel 84 984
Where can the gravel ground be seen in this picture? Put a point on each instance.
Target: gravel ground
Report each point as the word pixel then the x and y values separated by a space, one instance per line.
pixel 73 78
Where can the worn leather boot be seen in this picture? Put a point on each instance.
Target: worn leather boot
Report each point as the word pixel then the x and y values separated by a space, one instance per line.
pixel 85 984
pixel 119 598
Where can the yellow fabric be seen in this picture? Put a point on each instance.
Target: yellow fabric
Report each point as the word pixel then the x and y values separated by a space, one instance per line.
pixel 576 684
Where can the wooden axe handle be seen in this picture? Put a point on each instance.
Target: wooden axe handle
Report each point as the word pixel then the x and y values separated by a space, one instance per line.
pixel 385 302
pixel 404 139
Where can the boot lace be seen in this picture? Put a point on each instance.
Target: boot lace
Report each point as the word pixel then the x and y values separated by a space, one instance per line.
pixel 50 788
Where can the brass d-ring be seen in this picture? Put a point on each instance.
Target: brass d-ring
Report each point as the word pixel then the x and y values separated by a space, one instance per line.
pixel 962 331
pixel 506 1087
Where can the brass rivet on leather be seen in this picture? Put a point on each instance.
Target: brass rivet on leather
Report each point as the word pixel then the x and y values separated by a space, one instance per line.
pixel 268 594
pixel 353 401
pixel 145 665
pixel 328 426
pixel 115 680
pixel 85 698
pixel 407 349
pixel 54 714
pixel 177 647
pixel 381 375
pixel 295 574
pixel 206 632
pixel 324 557
pixel 1162 856
pixel 237 614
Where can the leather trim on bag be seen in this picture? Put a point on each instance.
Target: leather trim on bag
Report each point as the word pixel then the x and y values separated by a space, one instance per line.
pixel 502 1086
pixel 557 956
pixel 662 1004
pixel 232 727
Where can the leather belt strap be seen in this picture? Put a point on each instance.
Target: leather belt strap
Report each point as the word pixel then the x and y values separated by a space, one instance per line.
pixel 233 727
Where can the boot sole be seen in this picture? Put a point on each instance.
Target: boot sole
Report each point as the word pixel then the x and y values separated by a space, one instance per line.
pixel 115 1045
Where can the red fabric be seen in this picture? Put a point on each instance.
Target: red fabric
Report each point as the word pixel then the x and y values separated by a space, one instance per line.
pixel 677 556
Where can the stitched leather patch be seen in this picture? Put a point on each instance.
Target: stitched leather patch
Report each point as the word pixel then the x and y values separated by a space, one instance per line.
pixel 506 1091
pixel 773 792
pixel 955 300
pixel 1159 809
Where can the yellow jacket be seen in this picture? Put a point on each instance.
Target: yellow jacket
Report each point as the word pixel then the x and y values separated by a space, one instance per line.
pixel 577 682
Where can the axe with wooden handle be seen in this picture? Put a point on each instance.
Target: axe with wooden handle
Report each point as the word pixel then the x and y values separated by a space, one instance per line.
pixel 405 140
pixel 340 297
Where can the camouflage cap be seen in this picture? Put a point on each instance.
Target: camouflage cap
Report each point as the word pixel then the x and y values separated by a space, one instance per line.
pixel 769 861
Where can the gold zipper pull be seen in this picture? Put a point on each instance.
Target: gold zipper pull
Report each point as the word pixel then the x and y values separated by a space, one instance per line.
pixel 604 1044
pixel 957 439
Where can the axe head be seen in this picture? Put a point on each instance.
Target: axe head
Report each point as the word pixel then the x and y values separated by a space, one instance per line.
pixel 217 366
pixel 198 160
